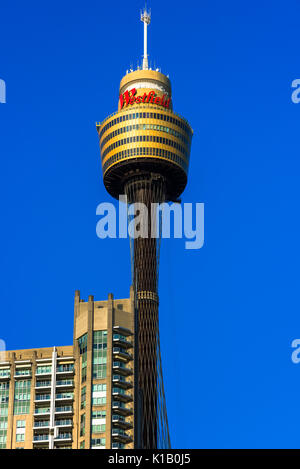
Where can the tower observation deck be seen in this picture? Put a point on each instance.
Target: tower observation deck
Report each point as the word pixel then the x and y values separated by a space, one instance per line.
pixel 145 148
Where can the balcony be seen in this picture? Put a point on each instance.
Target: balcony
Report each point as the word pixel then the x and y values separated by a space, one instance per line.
pixel 42 398
pixel 42 412
pixel 65 383
pixel 119 406
pixel 43 372
pixel 121 381
pixel 61 410
pixel 121 340
pixel 63 437
pixel 5 376
pixel 65 370
pixel 121 367
pixel 41 438
pixel 121 352
pixel 41 385
pixel 41 425
pixel 64 397
pixel 121 435
pixel 122 330
pixel 117 446
pixel 120 393
pixel 120 421
pixel 64 423
pixel 22 374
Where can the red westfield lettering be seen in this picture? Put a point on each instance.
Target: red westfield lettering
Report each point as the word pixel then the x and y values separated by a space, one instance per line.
pixel 129 97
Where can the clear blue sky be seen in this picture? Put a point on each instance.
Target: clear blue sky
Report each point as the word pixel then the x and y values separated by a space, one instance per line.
pixel 229 311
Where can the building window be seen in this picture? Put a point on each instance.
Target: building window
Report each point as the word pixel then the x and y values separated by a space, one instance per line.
pixel 99 354
pixel 4 372
pixel 23 372
pixel 98 414
pixel 2 439
pixel 82 425
pixel 20 437
pixel 82 445
pixel 65 368
pixel 22 397
pixel 43 369
pixel 98 442
pixel 82 344
pixel 98 400
pixel 21 423
pixel 4 397
pixel 101 387
pixel 98 428
pixel 3 423
pixel 83 397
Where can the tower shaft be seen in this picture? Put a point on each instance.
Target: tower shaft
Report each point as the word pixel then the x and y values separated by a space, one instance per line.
pixel 147 190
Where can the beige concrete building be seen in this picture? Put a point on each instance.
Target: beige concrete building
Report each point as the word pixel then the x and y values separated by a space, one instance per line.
pixel 79 396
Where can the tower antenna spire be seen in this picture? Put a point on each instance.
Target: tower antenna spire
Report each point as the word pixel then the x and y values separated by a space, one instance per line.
pixel 145 18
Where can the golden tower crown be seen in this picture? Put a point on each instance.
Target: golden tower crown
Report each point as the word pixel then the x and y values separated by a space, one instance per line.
pixel 144 134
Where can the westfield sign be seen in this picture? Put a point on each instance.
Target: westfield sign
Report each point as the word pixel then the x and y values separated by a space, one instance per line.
pixel 129 97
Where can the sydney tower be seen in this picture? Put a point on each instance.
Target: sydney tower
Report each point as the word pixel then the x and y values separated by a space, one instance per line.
pixel 145 150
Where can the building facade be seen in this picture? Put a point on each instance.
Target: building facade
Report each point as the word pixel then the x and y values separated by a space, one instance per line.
pixel 79 396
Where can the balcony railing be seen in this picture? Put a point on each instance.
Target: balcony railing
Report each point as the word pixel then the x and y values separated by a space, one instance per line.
pixel 121 407
pixel 117 446
pixel 119 433
pixel 64 423
pixel 41 438
pixel 122 340
pixel 65 369
pixel 63 409
pixel 64 436
pixel 122 352
pixel 42 410
pixel 121 421
pixel 64 382
pixel 41 424
pixel 42 397
pixel 121 366
pixel 43 384
pixel 21 373
pixel 120 392
pixel 43 371
pixel 121 381
pixel 64 396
